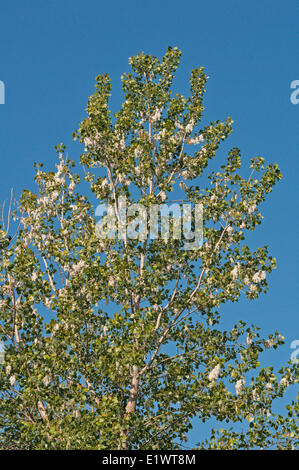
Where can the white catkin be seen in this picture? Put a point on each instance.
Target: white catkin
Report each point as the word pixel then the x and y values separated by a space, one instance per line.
pixel 156 116
pixel 259 276
pixel 47 380
pixel 235 272
pixel 213 375
pixel 239 385
pixel 284 382
pixel 12 380
pixel 163 195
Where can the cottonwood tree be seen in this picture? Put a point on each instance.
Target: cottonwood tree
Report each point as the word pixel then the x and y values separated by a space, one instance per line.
pixel 115 342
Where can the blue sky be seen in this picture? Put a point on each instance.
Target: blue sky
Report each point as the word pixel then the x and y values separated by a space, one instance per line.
pixel 50 53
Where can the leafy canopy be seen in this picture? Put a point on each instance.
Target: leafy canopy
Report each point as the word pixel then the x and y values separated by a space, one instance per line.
pixel 115 343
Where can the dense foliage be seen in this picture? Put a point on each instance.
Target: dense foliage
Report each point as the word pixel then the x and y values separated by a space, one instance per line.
pixel 114 343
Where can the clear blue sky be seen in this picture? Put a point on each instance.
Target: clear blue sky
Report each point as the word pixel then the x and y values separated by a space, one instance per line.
pixel 50 53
